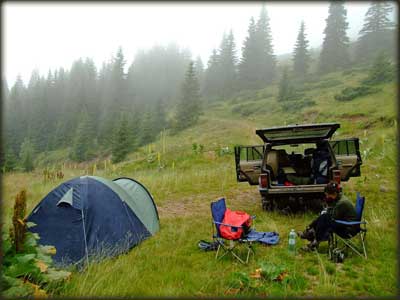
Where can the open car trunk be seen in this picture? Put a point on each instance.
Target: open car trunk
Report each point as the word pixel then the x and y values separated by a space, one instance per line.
pixel 294 134
pixel 314 160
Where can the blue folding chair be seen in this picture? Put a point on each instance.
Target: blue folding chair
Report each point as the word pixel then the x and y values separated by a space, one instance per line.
pixel 218 209
pixel 359 229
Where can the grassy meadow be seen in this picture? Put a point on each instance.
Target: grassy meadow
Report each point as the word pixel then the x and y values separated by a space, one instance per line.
pixel 184 180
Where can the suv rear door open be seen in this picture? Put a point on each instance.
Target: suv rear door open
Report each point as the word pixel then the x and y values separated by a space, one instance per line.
pixel 348 157
pixel 297 133
pixel 248 160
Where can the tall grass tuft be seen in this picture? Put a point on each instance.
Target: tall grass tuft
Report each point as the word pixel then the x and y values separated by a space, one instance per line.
pixel 17 233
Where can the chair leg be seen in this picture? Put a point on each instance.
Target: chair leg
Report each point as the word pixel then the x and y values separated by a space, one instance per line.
pixel 238 258
pixel 362 237
pixel 231 250
pixel 219 247
pixel 216 254
pixel 352 246
pixel 330 246
pixel 249 250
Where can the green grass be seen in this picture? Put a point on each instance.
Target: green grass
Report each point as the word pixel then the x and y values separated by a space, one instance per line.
pixel 184 183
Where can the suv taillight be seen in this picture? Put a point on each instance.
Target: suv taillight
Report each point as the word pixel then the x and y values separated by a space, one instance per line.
pixel 336 176
pixel 263 180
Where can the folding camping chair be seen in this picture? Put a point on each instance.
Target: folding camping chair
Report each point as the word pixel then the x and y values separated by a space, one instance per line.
pixel 218 209
pixel 337 253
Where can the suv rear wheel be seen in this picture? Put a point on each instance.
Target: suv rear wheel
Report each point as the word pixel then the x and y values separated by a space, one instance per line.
pixel 268 203
pixel 292 204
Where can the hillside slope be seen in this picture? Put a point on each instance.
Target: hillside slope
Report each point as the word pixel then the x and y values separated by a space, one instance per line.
pixel 187 171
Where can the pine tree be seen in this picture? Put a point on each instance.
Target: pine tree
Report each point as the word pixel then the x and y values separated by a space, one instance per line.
pixel 227 72
pixel 26 155
pixel 16 116
pixel 135 118
pixel 199 67
pixel 285 88
pixel 118 79
pixel 8 161
pixel 334 54
pixel 115 96
pixel 301 56
pixel 147 132
pixel 121 142
pixel 5 90
pixel 189 108
pixel 211 77
pixel 159 117
pixel 264 51
pixel 248 64
pixel 377 33
pixel 38 106
pixel 81 148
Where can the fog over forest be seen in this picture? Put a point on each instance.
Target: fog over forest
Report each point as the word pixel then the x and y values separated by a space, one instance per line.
pixel 97 30
pixel 96 109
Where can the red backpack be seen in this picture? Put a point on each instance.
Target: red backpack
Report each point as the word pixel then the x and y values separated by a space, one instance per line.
pixel 235 218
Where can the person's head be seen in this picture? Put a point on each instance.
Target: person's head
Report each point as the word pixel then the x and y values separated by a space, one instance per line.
pixel 322 144
pixel 332 192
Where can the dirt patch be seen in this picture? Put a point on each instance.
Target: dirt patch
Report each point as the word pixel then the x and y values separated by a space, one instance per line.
pixel 243 200
pixel 354 117
pixel 200 204
pixel 183 207
pixel 310 116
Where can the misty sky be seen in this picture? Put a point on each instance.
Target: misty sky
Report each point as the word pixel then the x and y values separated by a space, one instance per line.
pixel 50 35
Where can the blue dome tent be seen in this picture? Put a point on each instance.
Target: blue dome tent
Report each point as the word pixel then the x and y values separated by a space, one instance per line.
pixel 92 216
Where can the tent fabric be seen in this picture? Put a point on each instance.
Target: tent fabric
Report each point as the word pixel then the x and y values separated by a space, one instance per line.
pixel 87 217
pixel 67 198
pixel 141 205
pixel 124 196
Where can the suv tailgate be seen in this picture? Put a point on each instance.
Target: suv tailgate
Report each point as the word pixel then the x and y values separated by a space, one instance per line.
pixel 293 134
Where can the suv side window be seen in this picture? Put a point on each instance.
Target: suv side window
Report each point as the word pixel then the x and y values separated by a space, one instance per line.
pixel 347 153
pixel 251 153
pixel 345 147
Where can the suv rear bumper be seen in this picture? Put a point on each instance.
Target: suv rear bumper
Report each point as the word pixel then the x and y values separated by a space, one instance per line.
pixel 287 190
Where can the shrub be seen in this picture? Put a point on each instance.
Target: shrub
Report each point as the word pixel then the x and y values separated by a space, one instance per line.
pixel 244 109
pixel 263 95
pixel 292 106
pixel 348 72
pixel 9 161
pixel 381 71
pixel 272 272
pixel 197 148
pixel 328 83
pixel 223 151
pixel 351 93
pixel 26 266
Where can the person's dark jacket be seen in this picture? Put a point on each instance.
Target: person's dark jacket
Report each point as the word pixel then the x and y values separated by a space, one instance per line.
pixel 343 210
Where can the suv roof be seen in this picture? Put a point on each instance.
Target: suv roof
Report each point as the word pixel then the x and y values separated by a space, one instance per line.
pixel 292 134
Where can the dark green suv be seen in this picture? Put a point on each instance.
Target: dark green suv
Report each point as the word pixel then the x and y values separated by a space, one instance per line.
pixel 296 162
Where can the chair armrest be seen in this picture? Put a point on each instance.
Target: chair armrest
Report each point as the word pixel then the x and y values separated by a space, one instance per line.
pixel 224 224
pixel 350 222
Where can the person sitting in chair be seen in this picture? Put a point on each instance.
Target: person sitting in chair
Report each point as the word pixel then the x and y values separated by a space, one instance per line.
pixel 339 207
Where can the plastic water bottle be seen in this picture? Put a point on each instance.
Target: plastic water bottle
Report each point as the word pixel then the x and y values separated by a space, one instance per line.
pixel 292 242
